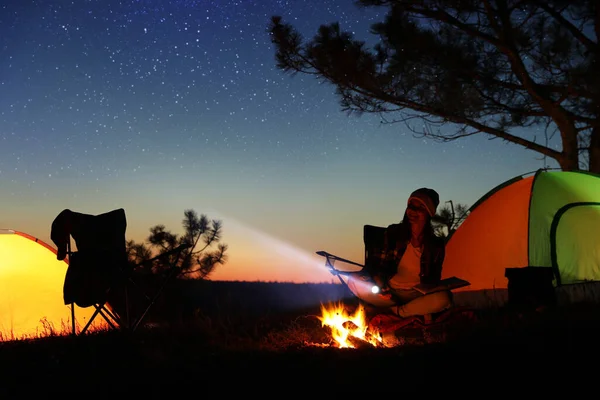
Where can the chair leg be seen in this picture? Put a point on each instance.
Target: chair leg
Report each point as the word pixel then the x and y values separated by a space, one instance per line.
pixel 109 316
pixel 105 313
pixel 152 300
pixel 127 305
pixel 73 331
pixel 85 328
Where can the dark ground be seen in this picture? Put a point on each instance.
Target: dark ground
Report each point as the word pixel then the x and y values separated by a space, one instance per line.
pixel 555 351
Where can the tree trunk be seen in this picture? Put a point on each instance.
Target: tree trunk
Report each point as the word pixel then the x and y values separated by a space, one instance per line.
pixel 594 152
pixel 569 157
pixel 568 163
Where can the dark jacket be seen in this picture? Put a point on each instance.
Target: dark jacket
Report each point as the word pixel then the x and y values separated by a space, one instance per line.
pixel 396 240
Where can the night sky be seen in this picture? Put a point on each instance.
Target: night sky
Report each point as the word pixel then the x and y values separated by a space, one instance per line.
pixel 157 107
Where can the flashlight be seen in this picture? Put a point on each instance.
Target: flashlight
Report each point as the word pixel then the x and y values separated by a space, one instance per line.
pixel 375 289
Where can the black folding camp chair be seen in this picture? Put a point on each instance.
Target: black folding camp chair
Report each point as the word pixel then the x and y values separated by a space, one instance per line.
pixel 354 273
pixel 358 278
pixel 100 270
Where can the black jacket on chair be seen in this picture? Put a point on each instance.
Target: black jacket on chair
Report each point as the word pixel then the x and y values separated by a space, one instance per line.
pixel 101 253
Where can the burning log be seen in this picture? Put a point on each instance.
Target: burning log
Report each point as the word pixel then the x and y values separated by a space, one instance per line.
pixel 349 330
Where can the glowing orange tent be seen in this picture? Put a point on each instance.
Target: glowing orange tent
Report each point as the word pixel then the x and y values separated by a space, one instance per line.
pixel 31 289
pixel 550 219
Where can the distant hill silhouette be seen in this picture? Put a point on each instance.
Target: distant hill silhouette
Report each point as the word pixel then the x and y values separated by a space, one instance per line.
pixel 183 298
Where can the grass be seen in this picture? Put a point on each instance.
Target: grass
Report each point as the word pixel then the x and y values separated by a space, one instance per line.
pixel 266 337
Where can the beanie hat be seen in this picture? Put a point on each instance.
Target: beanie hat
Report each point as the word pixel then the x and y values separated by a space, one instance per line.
pixel 428 197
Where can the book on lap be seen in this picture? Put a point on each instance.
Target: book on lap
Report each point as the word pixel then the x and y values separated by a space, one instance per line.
pixel 444 284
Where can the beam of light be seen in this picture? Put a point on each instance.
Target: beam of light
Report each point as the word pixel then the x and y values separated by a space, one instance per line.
pixel 311 266
pixel 286 256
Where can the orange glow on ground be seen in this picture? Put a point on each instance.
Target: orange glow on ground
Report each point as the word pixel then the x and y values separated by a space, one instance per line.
pixel 31 291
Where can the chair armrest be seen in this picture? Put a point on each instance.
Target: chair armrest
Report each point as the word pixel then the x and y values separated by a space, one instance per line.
pixel 330 259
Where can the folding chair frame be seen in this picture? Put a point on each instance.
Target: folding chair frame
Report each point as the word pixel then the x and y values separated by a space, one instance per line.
pixel 345 276
pixel 371 235
pixel 330 260
pixel 368 233
pixel 113 319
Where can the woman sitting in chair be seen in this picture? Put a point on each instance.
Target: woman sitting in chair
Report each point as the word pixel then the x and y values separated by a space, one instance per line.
pixel 413 255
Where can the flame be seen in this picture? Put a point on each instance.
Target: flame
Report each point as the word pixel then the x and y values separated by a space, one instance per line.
pixel 345 326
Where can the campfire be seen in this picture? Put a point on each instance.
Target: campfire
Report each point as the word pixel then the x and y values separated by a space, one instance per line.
pixel 348 329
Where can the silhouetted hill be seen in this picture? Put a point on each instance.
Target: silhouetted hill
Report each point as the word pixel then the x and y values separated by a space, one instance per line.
pixel 184 299
pixel 260 296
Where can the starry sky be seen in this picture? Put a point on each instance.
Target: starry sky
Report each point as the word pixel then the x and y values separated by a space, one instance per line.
pixel 157 107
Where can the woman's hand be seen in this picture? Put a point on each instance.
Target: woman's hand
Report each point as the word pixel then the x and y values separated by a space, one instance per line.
pixel 378 281
pixel 385 295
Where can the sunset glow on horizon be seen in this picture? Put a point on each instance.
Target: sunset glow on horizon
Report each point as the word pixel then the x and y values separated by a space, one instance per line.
pixel 267 258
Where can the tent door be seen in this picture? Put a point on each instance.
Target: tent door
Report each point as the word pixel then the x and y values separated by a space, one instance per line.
pixel 575 242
